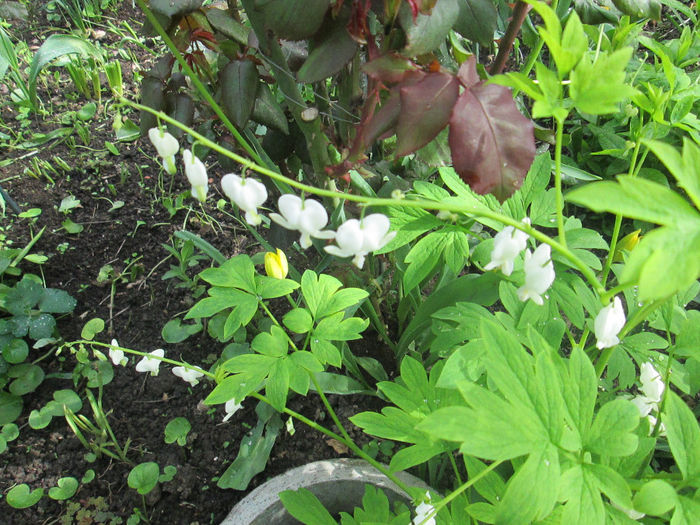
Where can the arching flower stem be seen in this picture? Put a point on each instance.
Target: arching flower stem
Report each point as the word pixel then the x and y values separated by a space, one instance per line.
pixel 585 270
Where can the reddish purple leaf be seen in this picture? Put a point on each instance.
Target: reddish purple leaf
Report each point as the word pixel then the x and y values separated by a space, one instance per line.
pixel 492 143
pixel 425 110
pixel 389 68
pixel 378 124
pixel 467 72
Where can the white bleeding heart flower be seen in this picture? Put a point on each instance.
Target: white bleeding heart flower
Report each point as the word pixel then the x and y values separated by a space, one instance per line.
pixel 652 387
pixel 653 384
pixel 247 194
pixel 196 174
pixel 307 216
pixel 358 238
pixel 167 147
pixel 116 355
pixel 507 245
pixel 608 324
pixel 188 374
pixel 424 510
pixel 150 364
pixel 231 407
pixel 539 274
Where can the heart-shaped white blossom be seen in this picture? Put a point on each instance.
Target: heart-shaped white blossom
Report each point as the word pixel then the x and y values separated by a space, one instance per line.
pixel 149 364
pixel 115 354
pixel 247 194
pixel 539 274
pixel 167 147
pixel 608 324
pixel 188 374
pixel 507 244
pixel 196 174
pixel 307 216
pixel 357 238
pixel 231 407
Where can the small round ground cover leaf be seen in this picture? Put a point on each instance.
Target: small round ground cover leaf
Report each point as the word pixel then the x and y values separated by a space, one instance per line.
pixel 67 487
pixel 88 477
pixel 168 474
pixel 39 419
pixel 20 497
pixel 10 407
pixel 55 301
pixel 177 430
pixel 101 375
pixel 92 328
pixel 144 477
pixel 15 351
pixel 10 432
pixel 41 326
pixel 28 378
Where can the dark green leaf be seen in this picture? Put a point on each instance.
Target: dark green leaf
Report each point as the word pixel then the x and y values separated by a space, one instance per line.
pixel 268 111
pixel 640 8
pixel 252 456
pixel 171 8
pixel 428 31
pixel 56 301
pixel 10 407
pixel 15 351
pixel 222 21
pixel 28 378
pixel 477 20
pixel 330 51
pixel 239 87
pixel 294 19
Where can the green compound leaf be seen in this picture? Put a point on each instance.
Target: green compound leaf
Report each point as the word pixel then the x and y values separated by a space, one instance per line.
pixel 655 498
pixel 683 436
pixel 20 497
pixel 304 506
pixel 612 430
pixel 298 320
pixel 67 487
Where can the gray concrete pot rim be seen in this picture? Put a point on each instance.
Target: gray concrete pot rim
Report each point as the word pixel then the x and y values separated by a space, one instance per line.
pixel 338 483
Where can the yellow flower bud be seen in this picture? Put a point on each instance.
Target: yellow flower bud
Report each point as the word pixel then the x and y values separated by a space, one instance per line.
pixel 276 264
pixel 626 244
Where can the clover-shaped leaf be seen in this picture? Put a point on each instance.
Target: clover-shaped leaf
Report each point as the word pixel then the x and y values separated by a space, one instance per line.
pixel 177 430
pixel 144 477
pixel 67 487
pixel 20 497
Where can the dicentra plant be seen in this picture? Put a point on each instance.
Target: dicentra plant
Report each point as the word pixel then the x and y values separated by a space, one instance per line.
pixel 548 369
